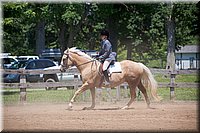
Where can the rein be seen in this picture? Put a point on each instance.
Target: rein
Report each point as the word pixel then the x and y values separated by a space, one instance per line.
pixel 85 63
pixel 68 57
pixel 94 61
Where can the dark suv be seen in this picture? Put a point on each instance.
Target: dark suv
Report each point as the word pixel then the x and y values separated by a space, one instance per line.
pixel 30 65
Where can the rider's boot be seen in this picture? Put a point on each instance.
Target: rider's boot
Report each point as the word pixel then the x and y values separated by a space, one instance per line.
pixel 105 73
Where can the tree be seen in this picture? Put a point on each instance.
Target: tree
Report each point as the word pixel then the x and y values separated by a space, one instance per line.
pixel 28 20
pixel 171 40
pixel 142 28
pixel 16 29
pixel 145 24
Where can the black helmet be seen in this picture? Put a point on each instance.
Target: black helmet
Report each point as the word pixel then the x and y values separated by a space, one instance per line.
pixel 105 32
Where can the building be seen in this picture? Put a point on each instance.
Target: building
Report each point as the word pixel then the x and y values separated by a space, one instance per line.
pixel 188 57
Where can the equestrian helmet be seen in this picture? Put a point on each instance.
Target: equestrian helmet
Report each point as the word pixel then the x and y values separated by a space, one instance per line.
pixel 105 32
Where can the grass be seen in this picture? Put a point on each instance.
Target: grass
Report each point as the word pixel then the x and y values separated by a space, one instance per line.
pixel 188 94
pixel 62 96
pixel 179 78
pixel 11 96
pixel 43 96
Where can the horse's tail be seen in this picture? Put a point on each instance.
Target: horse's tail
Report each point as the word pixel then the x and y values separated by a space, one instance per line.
pixel 149 82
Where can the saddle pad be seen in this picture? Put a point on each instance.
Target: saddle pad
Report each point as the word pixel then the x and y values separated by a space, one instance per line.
pixel 116 68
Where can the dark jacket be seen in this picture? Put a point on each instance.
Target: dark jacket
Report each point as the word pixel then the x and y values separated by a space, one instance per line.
pixel 106 51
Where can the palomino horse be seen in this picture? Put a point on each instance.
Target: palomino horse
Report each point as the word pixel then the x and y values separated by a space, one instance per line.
pixel 135 74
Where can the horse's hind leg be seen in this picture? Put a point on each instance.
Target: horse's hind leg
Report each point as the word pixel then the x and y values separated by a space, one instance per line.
pixel 143 90
pixel 133 95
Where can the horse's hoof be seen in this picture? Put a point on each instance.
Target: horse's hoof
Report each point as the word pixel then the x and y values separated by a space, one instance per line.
pixel 70 109
pixel 125 107
pixel 69 106
pixel 85 108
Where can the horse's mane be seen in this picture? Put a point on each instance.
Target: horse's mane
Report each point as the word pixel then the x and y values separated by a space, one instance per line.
pixel 77 51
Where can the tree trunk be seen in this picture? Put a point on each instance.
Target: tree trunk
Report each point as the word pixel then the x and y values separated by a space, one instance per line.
pixel 91 42
pixel 112 27
pixel 62 37
pixel 129 51
pixel 71 36
pixel 40 37
pixel 171 44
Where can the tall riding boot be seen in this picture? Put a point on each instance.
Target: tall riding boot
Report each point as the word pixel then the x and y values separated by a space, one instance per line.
pixel 105 73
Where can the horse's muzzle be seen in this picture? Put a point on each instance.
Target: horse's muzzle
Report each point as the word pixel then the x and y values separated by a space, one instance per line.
pixel 62 69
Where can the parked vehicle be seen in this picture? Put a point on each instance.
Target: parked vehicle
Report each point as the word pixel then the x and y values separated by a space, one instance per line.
pixel 62 77
pixel 29 65
pixel 52 54
pixel 6 60
pixel 55 54
pixel 27 57
pixel 91 53
pixel 16 65
pixel 44 64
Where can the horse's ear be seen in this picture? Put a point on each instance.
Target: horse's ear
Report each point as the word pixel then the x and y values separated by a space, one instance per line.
pixel 67 50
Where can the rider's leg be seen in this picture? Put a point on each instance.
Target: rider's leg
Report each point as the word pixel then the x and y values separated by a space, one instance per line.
pixel 105 66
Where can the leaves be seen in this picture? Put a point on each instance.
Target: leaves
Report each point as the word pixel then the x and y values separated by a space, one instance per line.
pixel 141 25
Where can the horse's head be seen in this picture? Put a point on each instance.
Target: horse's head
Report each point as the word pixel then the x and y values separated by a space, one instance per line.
pixel 66 61
pixel 69 58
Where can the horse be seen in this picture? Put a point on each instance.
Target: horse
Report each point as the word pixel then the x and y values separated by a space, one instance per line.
pixel 135 74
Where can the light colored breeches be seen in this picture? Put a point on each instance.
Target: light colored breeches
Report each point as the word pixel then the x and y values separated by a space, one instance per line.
pixel 106 64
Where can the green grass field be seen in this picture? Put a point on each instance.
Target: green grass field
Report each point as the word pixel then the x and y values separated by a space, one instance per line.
pixel 11 96
pixel 61 96
pixel 179 78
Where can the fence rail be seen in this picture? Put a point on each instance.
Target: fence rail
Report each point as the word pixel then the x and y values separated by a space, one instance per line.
pixel 79 83
pixel 23 84
pixel 74 70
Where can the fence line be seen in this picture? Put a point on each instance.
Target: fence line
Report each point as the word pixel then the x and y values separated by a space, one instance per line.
pixel 75 71
pixel 79 83
pixel 23 85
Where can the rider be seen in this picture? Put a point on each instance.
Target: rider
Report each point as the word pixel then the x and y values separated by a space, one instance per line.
pixel 106 55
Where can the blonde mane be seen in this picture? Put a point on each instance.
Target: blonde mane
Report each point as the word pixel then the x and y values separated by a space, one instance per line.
pixel 77 51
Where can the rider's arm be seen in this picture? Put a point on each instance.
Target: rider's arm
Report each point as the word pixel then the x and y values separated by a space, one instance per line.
pixel 106 50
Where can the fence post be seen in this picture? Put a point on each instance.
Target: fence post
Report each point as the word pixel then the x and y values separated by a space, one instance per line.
pixel 108 90
pixel 126 90
pixel 118 92
pixel 172 84
pixel 22 87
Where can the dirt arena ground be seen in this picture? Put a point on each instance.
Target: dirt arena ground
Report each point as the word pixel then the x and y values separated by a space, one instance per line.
pixel 165 116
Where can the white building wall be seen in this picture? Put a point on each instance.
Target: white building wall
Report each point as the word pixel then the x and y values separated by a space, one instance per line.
pixel 185 62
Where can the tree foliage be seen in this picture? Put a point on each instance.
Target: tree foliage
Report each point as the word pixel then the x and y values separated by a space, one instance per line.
pixel 139 28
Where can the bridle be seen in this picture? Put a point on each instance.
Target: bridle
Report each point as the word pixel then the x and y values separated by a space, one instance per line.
pixel 65 66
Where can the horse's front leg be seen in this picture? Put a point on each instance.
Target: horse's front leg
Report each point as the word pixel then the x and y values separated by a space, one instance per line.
pixel 80 90
pixel 92 90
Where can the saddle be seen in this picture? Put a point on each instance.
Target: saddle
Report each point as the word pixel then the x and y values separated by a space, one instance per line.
pixel 114 67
